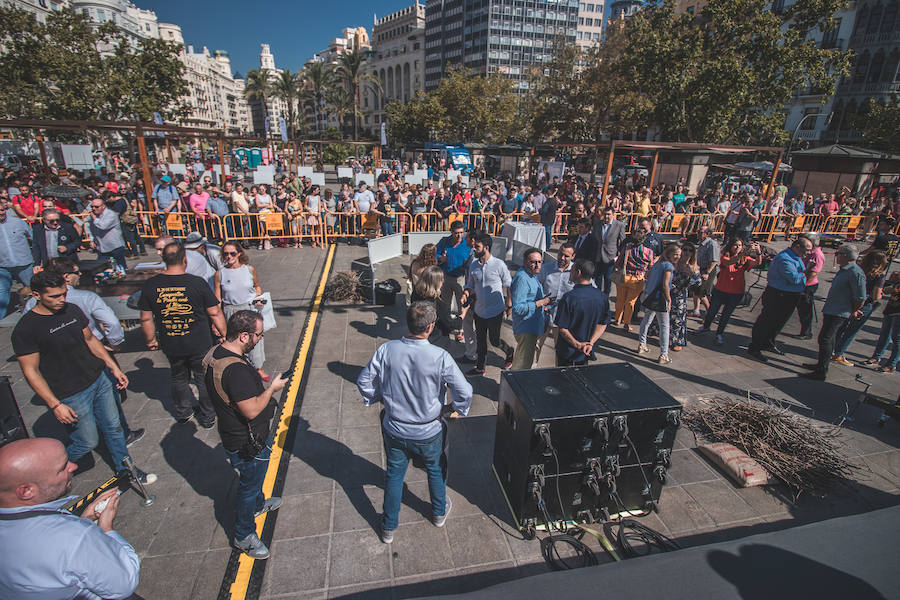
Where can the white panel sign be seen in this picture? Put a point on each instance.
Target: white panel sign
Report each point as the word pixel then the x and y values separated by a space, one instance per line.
pixel 378 172
pixel 451 175
pixel 305 172
pixel 369 178
pixel 317 179
pixel 418 239
pixel 264 174
pixel 177 168
pixel 421 174
pixel 385 248
pixel 345 173
pixel 412 180
pixel 218 169
pixel 77 156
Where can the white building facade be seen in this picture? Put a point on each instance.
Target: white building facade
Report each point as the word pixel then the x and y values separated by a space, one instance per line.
pixel 397 60
pixel 589 30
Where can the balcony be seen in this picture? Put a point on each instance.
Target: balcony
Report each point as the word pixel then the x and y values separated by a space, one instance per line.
pixel 875 87
pixel 860 40
pixel 808 134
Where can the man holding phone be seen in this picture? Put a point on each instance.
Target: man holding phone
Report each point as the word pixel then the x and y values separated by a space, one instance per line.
pixel 529 306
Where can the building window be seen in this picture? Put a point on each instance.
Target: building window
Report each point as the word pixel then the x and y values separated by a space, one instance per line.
pixel 101 15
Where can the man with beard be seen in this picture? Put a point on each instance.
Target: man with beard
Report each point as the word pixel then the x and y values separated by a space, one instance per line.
pixel 57 554
pixel 244 410
pixel 488 281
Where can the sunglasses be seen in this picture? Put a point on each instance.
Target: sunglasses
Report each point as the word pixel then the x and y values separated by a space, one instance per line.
pixel 229 254
pixel 51 221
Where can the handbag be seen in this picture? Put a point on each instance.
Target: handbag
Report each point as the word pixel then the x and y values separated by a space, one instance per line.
pixel 618 276
pixel 655 300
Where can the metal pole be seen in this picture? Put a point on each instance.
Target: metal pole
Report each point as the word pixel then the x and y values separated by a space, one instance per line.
pixel 221 144
pixel 609 163
pixel 169 150
pixel 653 169
pixel 774 175
pixel 40 141
pixel 145 163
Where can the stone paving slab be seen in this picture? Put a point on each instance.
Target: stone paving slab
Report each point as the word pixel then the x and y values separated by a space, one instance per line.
pixel 325 543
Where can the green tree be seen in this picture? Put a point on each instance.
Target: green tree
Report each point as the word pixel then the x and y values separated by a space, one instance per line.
pixel 557 106
pixel 350 68
pixel 286 87
pixel 728 75
pixel 317 78
pixel 415 120
pixel 143 81
pixel 341 104
pixel 258 87
pixel 881 127
pixel 51 70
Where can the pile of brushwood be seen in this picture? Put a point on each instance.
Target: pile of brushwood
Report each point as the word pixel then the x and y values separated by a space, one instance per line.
pixel 803 455
pixel 344 286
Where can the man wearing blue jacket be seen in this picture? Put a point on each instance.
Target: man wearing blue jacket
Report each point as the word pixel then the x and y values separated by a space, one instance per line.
pixel 787 281
pixel 411 377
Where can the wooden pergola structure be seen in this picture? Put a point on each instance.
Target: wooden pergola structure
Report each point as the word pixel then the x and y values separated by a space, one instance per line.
pixel 142 130
pixel 657 147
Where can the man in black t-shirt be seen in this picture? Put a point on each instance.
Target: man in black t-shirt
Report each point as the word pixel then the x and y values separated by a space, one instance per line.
pixel 885 241
pixel 245 410
pixel 63 363
pixel 176 311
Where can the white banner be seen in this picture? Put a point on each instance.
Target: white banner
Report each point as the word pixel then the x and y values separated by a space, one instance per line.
pixel 317 179
pixel 345 173
pixel 421 174
pixel 264 174
pixel 367 177
pixel 77 156
pixel 218 169
pixel 305 172
pixel 177 168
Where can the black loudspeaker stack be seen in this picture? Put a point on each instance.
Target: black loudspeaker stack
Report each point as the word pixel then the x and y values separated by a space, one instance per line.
pixel 582 443
pixel 12 426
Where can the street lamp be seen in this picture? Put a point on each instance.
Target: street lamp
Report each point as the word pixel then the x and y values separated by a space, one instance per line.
pixel 787 157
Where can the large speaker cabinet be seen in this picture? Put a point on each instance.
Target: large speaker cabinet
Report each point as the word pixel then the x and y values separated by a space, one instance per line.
pixel 575 443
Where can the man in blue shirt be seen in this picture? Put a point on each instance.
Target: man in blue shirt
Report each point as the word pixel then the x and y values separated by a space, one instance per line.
pixel 529 304
pixel 51 553
pixel 16 260
pixel 582 317
pixel 411 377
pixel 452 255
pixel 845 299
pixel 787 281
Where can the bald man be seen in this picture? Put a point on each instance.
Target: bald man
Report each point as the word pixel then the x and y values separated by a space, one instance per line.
pixel 51 553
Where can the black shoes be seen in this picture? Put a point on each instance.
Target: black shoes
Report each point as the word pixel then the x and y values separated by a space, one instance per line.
pixel 757 355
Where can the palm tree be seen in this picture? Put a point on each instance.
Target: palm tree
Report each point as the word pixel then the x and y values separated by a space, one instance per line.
pixel 257 86
pixel 350 69
pixel 286 88
pixel 340 101
pixel 318 77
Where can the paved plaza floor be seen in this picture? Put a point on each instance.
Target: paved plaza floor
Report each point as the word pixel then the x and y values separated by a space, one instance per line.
pixel 325 541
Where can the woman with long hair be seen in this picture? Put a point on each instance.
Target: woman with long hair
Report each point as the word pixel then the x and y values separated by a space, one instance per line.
pixel 313 206
pixel 427 257
pixel 660 278
pixel 237 287
pixel 729 289
pixel 874 265
pixel 686 275
pixel 633 261
pixel 428 289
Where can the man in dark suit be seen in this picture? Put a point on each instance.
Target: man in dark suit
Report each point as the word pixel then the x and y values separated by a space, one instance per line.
pixel 610 235
pixel 53 237
pixel 585 244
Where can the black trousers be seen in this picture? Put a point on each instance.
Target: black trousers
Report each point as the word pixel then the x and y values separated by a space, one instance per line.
pixel 777 308
pixel 831 324
pixel 485 327
pixel 805 308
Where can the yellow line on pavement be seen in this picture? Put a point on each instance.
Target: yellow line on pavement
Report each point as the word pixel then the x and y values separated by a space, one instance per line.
pixel 238 589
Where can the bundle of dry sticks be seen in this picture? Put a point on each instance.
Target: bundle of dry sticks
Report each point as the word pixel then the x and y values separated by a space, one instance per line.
pixel 806 457
pixel 344 286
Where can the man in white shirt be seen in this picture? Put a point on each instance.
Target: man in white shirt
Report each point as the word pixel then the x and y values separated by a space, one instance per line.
pixel 364 198
pixel 556 279
pixel 488 280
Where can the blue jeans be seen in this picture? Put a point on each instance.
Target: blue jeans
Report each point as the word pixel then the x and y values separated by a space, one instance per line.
pixel 663 322
pixel 603 276
pixel 249 498
pixel 387 228
pixel 548 231
pixel 398 452
pixel 890 332
pixel 728 302
pixel 7 274
pixel 847 333
pixel 96 409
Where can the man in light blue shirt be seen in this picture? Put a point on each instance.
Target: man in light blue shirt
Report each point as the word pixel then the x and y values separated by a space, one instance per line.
pixel 106 233
pixel 488 281
pixel 411 377
pixel 16 260
pixel 787 281
pixel 845 299
pixel 52 554
pixel 529 308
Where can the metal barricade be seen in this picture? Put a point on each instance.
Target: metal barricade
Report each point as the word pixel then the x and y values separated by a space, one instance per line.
pixel 177 225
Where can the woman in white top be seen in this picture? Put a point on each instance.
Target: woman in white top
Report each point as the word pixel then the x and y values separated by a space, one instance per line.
pixel 237 287
pixel 264 205
pixel 313 206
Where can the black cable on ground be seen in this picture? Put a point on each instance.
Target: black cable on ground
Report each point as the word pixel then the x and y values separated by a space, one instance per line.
pixel 630 532
pixel 584 556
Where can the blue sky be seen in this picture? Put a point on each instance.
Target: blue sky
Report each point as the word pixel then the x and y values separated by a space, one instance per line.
pixel 294 30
